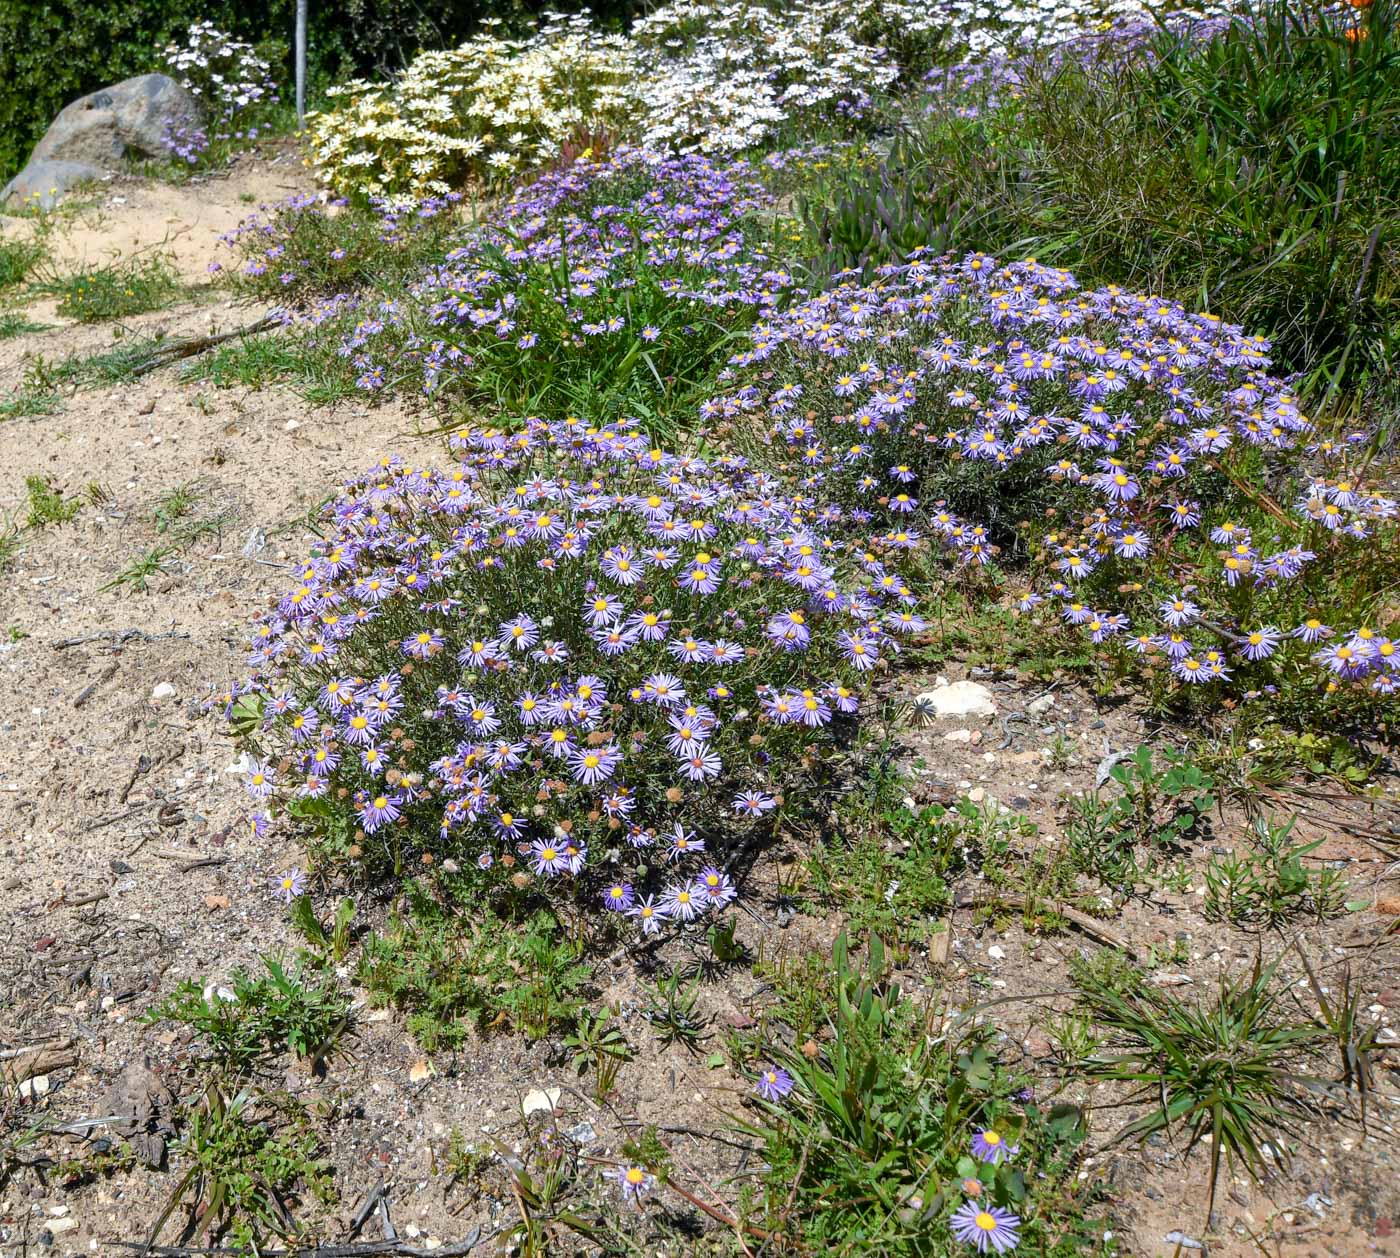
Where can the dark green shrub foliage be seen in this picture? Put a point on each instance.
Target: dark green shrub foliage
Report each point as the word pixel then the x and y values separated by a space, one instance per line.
pixel 1255 173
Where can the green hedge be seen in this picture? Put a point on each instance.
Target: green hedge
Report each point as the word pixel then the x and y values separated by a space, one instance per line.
pixel 53 52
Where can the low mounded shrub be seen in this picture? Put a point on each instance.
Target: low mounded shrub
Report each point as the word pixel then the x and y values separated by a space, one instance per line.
pixel 691 77
pixel 304 249
pixel 608 290
pixel 1172 501
pixel 573 658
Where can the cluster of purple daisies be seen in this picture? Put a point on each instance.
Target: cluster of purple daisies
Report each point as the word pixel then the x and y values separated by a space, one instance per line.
pixel 544 650
pixel 639 250
pixel 1140 417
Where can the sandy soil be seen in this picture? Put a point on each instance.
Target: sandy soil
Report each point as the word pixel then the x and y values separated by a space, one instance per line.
pixel 124 866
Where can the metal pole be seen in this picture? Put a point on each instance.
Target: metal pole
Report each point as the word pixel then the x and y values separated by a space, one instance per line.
pixel 301 64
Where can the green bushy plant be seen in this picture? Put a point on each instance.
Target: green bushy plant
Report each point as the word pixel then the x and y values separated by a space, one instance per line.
pixel 301 249
pixel 252 1016
pixel 535 653
pixel 1226 1068
pixel 246 1159
pixel 452 974
pixel 611 289
pixel 1272 885
pixel 115 291
pixel 887 1136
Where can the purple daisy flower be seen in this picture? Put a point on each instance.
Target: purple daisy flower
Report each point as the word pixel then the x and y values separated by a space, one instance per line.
pixel 651 915
pixel 378 811
pixel 753 803
pixel 592 765
pixel 549 857
pixel 619 897
pixel 989 1228
pixel 632 1182
pixel 773 1084
pixel 989 1145
pixel 289 885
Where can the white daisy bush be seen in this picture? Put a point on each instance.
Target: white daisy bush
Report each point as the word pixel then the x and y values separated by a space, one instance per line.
pixel 232 81
pixel 484 111
pixel 1171 503
pixel 570 657
pixel 726 77
pixel 692 77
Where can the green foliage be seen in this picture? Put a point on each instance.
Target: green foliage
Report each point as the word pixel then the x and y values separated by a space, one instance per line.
pixel 596 1042
pixel 888 873
pixel 47 505
pixel 1340 1020
pixel 137 575
pixel 18 258
pixel 875 215
pixel 1225 1068
pixel 117 291
pixel 255 1016
pixel 1272 886
pixel 453 972
pixel 298 251
pixel 29 403
pixel 675 1013
pixel 1319 754
pixel 310 364
pixel 1159 808
pixel 1254 172
pixel 14 324
pixel 331 938
pixel 250 1157
pixel 871 1151
pixel 177 504
pixel 121 364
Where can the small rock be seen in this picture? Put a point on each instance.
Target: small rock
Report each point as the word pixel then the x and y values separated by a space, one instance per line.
pixel 163 690
pixel 59 1226
pixel 961 698
pixel 37 1086
pixel 1043 704
pixel 540 1101
pixel 420 1070
pixel 958 736
pixel 1180 1238
pixel 583 1133
pixel 977 794
pixel 255 544
pixel 292 425
pixel 997 952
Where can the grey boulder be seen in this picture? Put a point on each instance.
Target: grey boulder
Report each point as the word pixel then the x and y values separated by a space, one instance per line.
pixel 101 131
pixel 40 184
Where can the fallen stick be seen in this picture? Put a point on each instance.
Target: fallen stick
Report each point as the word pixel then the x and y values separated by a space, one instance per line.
pixel 173 351
pixel 116 637
pixel 86 692
pixel 9 1054
pixel 122 816
pixel 1080 921
pixel 39 1061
